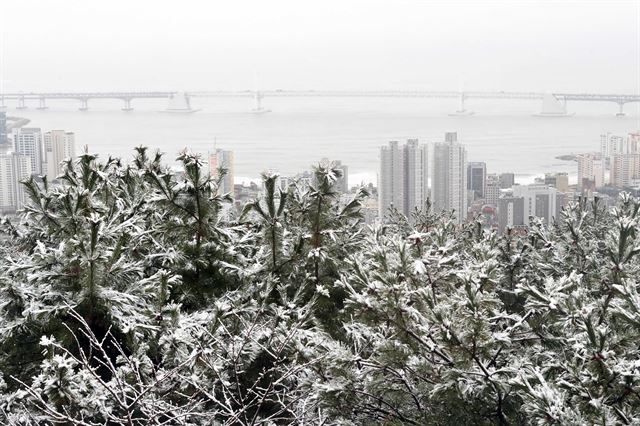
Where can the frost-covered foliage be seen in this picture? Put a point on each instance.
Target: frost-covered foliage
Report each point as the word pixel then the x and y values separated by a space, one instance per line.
pixel 130 295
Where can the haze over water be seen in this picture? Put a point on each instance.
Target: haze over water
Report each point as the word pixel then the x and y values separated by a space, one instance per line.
pixel 569 47
pixel 300 132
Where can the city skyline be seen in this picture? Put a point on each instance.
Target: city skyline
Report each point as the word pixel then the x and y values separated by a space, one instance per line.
pixel 618 154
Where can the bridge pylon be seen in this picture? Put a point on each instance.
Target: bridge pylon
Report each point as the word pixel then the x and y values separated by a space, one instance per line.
pixel 127 105
pixel 620 112
pixel 553 107
pixel 180 103
pixel 84 104
pixel 42 103
pixel 257 99
pixel 462 111
pixel 21 103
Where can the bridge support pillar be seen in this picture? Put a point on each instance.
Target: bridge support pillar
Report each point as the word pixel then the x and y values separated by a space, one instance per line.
pixel 620 112
pixel 3 107
pixel 42 104
pixel 84 104
pixel 257 108
pixel 180 103
pixel 127 105
pixel 21 103
pixel 461 109
pixel 552 106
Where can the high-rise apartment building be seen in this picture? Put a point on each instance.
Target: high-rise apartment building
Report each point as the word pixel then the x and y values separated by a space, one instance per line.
pixel 633 142
pixel 590 171
pixel 58 146
pixel 539 201
pixel 221 159
pixel 391 179
pixel 449 179
pixel 494 186
pixel 13 169
pixel 4 138
pixel 625 169
pixel 28 141
pixel 403 178
pixel 611 145
pixel 619 157
pixel 477 179
pixel 416 176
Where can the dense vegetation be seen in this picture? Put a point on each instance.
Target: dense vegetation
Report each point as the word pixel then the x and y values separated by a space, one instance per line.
pixel 130 295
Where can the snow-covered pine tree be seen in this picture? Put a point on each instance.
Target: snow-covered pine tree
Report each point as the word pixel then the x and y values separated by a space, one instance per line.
pixel 127 297
pixel 323 232
pixel 83 245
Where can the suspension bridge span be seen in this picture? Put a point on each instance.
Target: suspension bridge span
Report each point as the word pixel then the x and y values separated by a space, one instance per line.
pixel 553 104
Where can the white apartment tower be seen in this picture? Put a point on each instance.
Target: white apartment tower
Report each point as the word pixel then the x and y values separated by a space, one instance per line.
pixel 225 160
pixel 391 179
pixel 13 169
pixel 28 141
pixel 590 169
pixel 625 169
pixel 3 130
pixel 416 184
pixel 449 179
pixel 611 145
pixel 403 181
pixel 633 142
pixel 58 146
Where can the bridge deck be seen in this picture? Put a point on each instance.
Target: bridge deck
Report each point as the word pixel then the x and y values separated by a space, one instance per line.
pixel 85 95
pixel 129 95
pixel 618 98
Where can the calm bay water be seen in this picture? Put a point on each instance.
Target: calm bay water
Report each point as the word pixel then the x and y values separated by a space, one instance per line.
pixel 299 132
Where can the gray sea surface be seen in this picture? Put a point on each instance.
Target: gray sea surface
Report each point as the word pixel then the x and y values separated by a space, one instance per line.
pixel 297 133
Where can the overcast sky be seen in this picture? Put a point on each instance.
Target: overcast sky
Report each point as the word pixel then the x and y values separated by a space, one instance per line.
pixel 341 44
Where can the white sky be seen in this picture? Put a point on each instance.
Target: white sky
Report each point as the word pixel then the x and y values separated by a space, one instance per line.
pixel 396 44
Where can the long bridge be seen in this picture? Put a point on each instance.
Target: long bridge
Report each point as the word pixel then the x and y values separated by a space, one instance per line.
pixel 82 97
pixel 554 104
